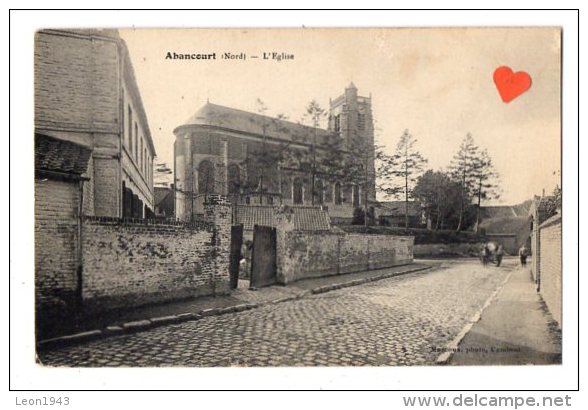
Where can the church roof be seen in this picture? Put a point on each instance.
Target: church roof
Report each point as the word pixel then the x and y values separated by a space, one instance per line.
pixel 238 120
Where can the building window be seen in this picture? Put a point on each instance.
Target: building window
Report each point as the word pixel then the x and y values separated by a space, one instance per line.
pixel 328 190
pixel 205 178
pixel 130 128
pixel 360 121
pixel 337 124
pixel 270 200
pixel 141 164
pixel 234 179
pixel 136 142
pixel 285 188
pixel 355 194
pixel 319 192
pixel 297 191
pixel 338 199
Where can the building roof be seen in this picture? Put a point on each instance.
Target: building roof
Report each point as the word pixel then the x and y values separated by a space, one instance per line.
pixel 55 155
pixel 397 208
pixel 505 225
pixel 164 199
pixel 304 218
pixel 498 211
pixel 238 120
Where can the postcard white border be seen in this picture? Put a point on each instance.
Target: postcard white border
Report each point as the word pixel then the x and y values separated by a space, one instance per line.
pixel 26 375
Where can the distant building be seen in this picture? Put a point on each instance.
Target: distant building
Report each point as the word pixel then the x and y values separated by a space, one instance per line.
pixel 511 231
pixel 86 93
pixel 509 225
pixel 392 213
pixel 212 148
pixel 164 202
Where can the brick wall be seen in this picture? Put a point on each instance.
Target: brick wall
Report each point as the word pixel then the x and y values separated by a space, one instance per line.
pixel 56 238
pixel 76 82
pixel 310 254
pixel 106 187
pixel 130 263
pixel 550 265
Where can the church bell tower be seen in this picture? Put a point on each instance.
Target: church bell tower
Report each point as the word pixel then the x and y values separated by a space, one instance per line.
pixel 350 116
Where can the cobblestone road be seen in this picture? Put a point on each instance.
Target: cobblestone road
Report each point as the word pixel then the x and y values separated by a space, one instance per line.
pixel 395 321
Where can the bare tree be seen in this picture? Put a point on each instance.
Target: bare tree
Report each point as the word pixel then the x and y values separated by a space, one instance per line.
pixel 486 181
pixel 266 158
pixel 463 171
pixel 406 164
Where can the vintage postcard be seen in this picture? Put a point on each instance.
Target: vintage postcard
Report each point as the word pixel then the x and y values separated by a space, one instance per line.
pixel 298 197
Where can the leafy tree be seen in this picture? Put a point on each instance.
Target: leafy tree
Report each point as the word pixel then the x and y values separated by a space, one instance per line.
pixel 553 203
pixel 406 164
pixel 439 195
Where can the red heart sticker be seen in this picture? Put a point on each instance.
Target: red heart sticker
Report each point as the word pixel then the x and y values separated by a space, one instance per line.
pixel 510 85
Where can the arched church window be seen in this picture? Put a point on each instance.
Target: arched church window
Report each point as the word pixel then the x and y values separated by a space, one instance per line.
pixel 338 199
pixel 234 179
pixel 356 195
pixel 319 192
pixel 205 178
pixel 297 191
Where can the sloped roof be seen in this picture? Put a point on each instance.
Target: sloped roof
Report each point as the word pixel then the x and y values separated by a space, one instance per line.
pixel 52 154
pixel 498 211
pixel 523 208
pixel 397 208
pixel 238 120
pixel 304 218
pixel 164 200
pixel 505 225
pixel 160 193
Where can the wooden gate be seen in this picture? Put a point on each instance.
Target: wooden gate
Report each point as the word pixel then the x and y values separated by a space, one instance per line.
pixel 263 258
pixel 235 255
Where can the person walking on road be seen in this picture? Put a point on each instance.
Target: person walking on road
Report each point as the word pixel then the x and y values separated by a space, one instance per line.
pixel 523 253
pixel 499 255
pixel 484 253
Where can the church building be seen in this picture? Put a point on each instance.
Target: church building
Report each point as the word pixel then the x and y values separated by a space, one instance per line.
pixel 222 150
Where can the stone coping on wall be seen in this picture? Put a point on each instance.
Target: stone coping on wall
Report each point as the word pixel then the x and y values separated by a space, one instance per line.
pixel 108 220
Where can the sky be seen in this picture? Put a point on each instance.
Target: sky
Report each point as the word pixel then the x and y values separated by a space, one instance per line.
pixel 435 82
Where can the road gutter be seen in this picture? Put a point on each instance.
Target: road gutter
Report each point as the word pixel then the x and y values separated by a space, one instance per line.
pixel 453 345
